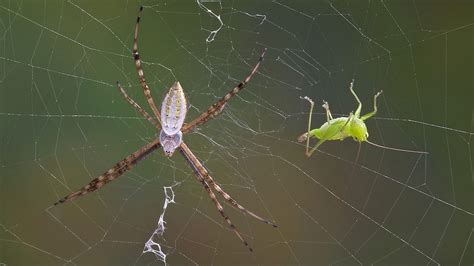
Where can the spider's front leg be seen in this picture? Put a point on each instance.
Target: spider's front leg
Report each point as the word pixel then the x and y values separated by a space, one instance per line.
pixel 121 167
pixel 198 170
pixel 203 176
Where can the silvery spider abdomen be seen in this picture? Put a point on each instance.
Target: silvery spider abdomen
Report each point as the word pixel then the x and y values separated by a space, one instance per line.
pixel 173 113
pixel 173 109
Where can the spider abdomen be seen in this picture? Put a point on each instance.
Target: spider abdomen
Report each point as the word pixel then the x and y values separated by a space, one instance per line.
pixel 173 110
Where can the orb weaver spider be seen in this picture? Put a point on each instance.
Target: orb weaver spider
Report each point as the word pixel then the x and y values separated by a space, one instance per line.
pixel 171 127
pixel 342 127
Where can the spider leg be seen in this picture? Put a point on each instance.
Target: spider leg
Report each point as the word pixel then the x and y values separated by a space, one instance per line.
pixel 139 108
pixel 202 171
pixel 359 107
pixel 141 76
pixel 217 107
pixel 230 200
pixel 368 115
pixel 198 170
pixel 117 170
pixel 221 211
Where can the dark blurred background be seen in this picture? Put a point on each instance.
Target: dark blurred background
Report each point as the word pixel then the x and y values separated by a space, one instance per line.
pixel 63 122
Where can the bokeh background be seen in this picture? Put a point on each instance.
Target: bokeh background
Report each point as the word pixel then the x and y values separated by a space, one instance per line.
pixel 63 122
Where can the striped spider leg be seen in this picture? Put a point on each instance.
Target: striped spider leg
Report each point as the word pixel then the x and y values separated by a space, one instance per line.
pixel 173 112
pixel 207 181
pixel 122 166
pixel 170 125
pixel 138 65
pixel 217 107
pixel 129 162
pixel 139 108
pixel 117 170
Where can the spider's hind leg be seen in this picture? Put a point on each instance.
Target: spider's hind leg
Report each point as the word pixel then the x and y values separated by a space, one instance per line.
pixel 217 107
pixel 138 66
pixel 138 107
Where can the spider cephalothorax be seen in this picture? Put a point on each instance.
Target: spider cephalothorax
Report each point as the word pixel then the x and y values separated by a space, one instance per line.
pixel 170 142
pixel 170 124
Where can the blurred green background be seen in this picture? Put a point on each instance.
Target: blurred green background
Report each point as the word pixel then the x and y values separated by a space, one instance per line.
pixel 63 122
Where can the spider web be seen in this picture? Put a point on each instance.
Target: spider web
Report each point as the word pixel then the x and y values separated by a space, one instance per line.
pixel 63 122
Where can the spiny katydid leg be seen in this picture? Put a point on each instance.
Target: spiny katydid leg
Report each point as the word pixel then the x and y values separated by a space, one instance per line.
pixel 368 115
pixel 307 136
pixel 328 112
pixel 359 107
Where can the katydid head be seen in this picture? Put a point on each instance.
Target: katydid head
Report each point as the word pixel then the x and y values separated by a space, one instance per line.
pixel 358 130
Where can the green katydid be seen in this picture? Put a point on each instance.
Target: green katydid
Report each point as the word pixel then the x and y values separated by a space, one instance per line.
pixel 342 127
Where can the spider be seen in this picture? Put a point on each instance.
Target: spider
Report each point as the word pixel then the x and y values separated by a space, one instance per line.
pixel 170 124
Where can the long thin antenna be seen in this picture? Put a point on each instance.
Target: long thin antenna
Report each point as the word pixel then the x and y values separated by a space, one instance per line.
pixel 395 149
